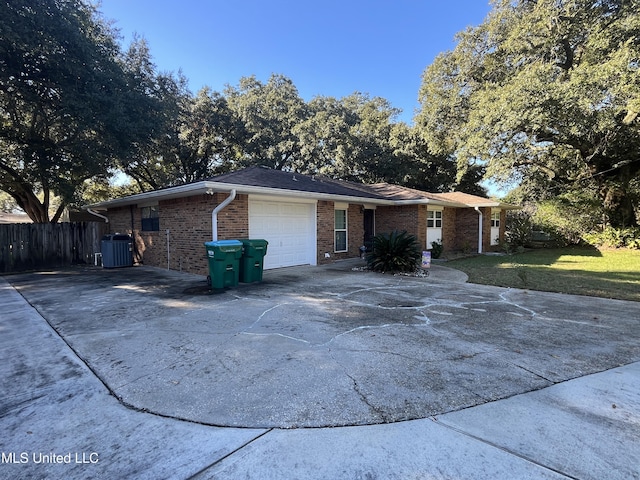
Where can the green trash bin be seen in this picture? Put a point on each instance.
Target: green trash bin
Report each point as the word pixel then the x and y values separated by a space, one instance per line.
pixel 252 261
pixel 224 268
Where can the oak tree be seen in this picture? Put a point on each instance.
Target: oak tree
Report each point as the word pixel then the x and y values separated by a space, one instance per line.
pixel 547 93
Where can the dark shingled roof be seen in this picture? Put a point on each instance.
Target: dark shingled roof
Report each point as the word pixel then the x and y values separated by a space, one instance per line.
pixel 398 193
pixel 277 182
pixel 268 178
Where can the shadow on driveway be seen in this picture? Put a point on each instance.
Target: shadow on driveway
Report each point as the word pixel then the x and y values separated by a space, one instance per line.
pixel 324 346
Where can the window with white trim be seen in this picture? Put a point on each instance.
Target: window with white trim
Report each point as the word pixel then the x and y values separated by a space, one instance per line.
pixel 434 218
pixel 340 230
pixel 495 220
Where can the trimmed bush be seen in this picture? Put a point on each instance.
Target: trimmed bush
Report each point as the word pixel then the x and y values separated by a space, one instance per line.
pixel 394 252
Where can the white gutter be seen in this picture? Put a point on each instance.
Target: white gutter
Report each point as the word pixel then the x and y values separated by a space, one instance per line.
pixel 210 187
pixel 479 229
pixel 106 220
pixel 214 214
pixel 205 186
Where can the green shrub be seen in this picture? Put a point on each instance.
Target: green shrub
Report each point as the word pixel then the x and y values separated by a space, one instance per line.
pixel 394 252
pixel 437 248
pixel 568 217
pixel 519 228
pixel 614 237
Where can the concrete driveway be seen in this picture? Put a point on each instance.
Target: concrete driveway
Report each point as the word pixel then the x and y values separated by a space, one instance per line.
pixel 324 346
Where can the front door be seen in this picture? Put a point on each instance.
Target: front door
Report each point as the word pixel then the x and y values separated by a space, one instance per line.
pixel 369 227
pixel 434 227
pixel 495 227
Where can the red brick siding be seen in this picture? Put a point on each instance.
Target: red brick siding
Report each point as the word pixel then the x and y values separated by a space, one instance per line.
pixel 449 229
pixel 421 226
pixel 405 217
pixel 233 220
pixel 324 234
pixel 466 230
pixel 325 239
pixel 356 231
pixel 189 223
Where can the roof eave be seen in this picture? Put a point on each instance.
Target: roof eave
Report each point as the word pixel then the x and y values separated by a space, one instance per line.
pixel 207 187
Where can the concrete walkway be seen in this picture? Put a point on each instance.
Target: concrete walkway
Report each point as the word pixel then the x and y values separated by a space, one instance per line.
pixel 66 417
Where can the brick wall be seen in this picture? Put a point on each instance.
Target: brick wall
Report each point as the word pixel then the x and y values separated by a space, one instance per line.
pixel 450 229
pixel 324 235
pixel 412 218
pixel 404 217
pixel 189 223
pixel 356 231
pixel 325 224
pixel 233 220
pixel 503 225
pixel 466 230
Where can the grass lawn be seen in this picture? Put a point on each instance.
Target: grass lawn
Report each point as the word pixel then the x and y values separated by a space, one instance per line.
pixel 580 271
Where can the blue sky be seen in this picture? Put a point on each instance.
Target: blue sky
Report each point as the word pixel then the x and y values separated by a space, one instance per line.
pixel 331 48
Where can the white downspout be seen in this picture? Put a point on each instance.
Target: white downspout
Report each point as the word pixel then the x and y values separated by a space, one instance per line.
pixel 106 220
pixel 214 214
pixel 479 229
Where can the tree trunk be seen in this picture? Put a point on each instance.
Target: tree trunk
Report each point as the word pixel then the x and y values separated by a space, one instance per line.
pixel 30 203
pixel 619 206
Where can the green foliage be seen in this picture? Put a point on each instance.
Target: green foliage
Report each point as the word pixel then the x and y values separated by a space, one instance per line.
pixel 394 252
pixel 614 238
pixel 7 204
pixel 350 138
pixel 519 226
pixel 547 94
pixel 437 248
pixel 198 137
pixel 269 113
pixel 568 217
pixel 69 106
pixel 74 107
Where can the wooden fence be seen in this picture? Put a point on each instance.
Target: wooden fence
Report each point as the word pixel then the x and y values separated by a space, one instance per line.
pixel 36 246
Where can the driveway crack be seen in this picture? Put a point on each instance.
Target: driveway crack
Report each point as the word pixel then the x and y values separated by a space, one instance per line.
pixel 533 373
pixel 363 397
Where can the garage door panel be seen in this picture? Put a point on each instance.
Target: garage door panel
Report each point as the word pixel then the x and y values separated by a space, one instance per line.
pixel 289 228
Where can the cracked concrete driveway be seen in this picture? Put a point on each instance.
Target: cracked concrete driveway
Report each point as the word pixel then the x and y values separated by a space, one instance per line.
pixel 324 346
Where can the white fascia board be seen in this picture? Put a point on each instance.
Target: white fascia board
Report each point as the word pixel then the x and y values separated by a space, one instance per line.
pixel 205 187
pixel 427 201
pixel 148 198
pixel 494 204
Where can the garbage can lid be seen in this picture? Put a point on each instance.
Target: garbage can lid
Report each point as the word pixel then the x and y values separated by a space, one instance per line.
pixel 224 243
pixel 254 242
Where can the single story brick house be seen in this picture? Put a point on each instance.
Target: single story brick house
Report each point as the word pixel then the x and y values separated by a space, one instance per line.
pixel 307 220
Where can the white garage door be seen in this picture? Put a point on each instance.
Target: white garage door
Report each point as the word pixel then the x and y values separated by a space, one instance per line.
pixel 290 229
